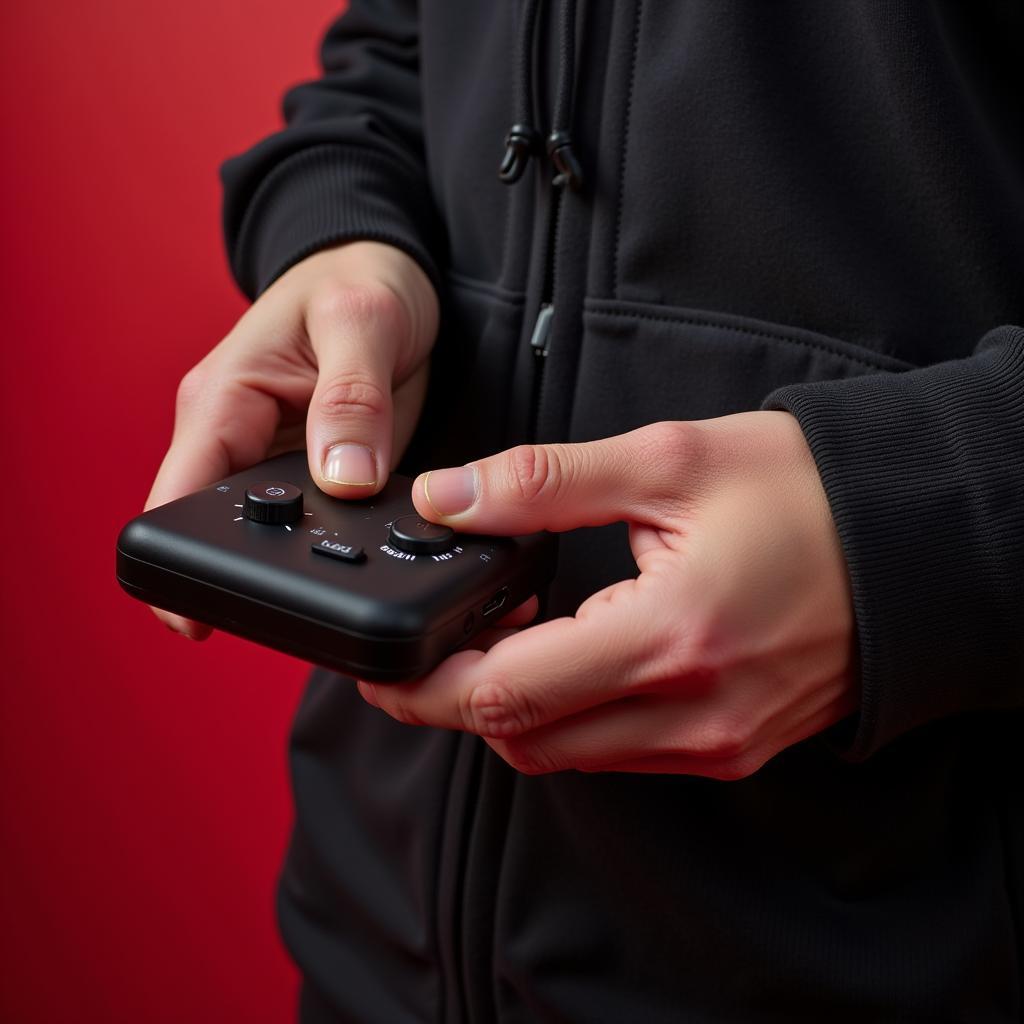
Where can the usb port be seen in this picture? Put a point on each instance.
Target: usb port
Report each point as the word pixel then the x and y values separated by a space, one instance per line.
pixel 496 602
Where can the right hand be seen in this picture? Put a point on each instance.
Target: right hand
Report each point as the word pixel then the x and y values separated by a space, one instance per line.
pixel 336 349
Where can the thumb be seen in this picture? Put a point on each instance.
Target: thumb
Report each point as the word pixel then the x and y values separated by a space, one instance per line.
pixel 355 336
pixel 634 476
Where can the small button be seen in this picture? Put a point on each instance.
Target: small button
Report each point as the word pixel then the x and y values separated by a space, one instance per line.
pixel 273 502
pixel 343 552
pixel 419 537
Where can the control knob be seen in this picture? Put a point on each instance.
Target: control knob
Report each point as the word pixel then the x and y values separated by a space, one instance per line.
pixel 272 502
pixel 420 537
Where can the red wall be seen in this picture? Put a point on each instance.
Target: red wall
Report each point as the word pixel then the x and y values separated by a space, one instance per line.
pixel 143 785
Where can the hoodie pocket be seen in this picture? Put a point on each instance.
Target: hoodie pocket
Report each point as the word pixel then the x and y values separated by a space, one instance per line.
pixel 641 363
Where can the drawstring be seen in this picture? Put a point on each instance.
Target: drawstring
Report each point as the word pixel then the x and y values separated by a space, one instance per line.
pixel 523 139
pixel 559 142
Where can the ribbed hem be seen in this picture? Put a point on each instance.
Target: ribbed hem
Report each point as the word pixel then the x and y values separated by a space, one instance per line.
pixel 326 195
pixel 924 472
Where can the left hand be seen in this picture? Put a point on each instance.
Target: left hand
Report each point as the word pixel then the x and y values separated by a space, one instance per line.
pixel 735 641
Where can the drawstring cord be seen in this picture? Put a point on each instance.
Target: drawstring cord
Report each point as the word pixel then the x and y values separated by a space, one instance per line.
pixel 559 141
pixel 523 140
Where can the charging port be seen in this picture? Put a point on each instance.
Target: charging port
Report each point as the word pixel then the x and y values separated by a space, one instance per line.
pixel 496 602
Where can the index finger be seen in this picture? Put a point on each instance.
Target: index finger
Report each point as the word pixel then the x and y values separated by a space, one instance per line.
pixel 544 673
pixel 218 429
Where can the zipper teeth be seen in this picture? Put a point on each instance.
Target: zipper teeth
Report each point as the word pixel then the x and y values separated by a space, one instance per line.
pixel 554 232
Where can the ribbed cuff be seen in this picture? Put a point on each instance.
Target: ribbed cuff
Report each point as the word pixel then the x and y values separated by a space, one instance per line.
pixel 326 195
pixel 924 472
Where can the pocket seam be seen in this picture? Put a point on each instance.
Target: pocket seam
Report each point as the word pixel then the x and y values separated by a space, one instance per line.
pixel 882 363
pixel 486 289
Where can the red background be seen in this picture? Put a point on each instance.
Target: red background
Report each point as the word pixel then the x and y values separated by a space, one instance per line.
pixel 144 806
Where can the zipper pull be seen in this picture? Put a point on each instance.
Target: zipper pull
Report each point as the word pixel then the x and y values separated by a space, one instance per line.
pixel 542 329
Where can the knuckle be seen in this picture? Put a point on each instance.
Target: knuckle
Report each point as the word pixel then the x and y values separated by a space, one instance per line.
pixel 735 769
pixel 685 658
pixel 692 648
pixel 534 471
pixel 722 737
pixel 496 710
pixel 352 392
pixel 362 305
pixel 675 447
pixel 192 388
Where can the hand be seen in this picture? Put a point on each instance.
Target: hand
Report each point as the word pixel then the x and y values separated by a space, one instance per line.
pixel 335 351
pixel 735 641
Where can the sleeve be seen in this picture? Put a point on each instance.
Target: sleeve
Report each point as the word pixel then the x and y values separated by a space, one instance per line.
pixel 350 162
pixel 924 472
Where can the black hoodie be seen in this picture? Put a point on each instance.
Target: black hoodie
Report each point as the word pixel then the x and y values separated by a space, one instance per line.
pixel 799 205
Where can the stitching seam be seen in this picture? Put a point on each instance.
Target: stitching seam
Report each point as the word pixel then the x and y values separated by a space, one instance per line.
pixel 484 288
pixel 625 146
pixel 630 315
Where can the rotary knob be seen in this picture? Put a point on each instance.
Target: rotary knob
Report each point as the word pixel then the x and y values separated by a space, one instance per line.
pixel 272 502
pixel 419 537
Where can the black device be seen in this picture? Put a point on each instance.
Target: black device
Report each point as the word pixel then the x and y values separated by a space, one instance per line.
pixel 364 587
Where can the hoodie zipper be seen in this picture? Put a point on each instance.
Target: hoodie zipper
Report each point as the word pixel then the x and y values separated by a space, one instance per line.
pixel 524 142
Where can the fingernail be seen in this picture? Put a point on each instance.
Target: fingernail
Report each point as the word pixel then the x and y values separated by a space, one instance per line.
pixel 352 464
pixel 450 491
